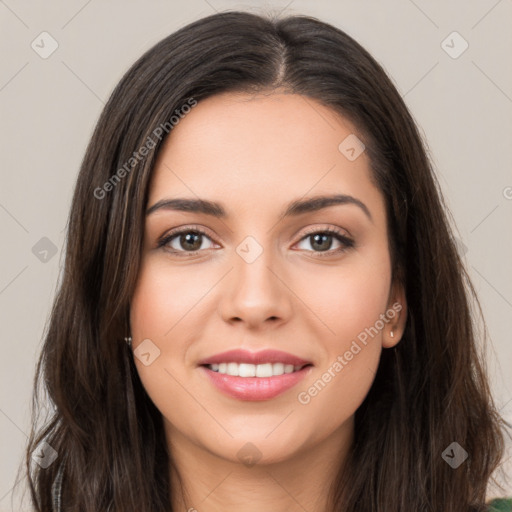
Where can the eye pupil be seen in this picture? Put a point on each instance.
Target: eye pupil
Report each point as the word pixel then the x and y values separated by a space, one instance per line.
pixel 322 237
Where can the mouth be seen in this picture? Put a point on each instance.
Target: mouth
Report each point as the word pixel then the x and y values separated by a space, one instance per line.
pixel 254 382
pixel 247 375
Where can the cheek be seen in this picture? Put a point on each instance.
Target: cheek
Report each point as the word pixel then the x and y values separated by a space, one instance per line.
pixel 162 298
pixel 349 298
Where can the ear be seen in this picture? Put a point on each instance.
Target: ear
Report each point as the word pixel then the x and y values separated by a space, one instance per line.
pixel 396 313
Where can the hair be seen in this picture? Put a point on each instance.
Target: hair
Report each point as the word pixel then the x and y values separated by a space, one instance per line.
pixel 429 391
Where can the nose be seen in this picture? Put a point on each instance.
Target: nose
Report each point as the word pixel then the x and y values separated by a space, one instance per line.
pixel 255 293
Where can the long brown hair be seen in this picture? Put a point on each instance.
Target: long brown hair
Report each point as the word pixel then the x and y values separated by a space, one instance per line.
pixel 430 391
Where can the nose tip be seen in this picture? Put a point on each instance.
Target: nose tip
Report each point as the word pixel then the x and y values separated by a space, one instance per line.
pixel 255 295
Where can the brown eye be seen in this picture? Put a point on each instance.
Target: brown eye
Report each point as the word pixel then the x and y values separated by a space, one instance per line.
pixel 184 241
pixel 191 241
pixel 321 241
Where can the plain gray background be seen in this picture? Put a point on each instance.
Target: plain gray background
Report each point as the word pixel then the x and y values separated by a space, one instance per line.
pixel 462 101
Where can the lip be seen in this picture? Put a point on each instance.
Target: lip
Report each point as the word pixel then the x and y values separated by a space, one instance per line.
pixel 261 357
pixel 254 388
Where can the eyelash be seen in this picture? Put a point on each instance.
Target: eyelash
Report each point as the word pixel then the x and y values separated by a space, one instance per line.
pixel 347 242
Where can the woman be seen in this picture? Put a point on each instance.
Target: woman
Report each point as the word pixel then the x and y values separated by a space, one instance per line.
pixel 315 349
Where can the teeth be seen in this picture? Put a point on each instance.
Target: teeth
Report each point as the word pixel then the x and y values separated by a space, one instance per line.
pixel 254 370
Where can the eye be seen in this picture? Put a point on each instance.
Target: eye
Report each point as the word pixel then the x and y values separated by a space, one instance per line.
pixel 187 240
pixel 321 241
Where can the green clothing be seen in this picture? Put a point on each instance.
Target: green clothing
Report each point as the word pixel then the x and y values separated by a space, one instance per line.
pixel 501 505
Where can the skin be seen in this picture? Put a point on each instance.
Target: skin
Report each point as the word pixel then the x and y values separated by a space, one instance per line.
pixel 255 154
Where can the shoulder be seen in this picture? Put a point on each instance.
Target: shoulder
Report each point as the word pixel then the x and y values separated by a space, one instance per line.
pixel 500 505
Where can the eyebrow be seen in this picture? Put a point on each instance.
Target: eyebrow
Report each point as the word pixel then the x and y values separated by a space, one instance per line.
pixel 295 208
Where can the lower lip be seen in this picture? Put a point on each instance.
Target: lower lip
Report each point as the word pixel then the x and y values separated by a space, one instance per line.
pixel 255 388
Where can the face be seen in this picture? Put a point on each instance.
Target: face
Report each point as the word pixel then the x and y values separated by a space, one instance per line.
pixel 315 283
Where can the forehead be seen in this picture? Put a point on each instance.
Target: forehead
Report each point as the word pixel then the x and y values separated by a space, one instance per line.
pixel 259 150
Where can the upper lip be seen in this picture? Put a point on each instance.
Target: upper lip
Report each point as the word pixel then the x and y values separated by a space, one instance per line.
pixel 245 356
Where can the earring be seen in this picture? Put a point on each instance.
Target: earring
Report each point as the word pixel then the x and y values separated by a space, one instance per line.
pixel 392 334
pixel 128 341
